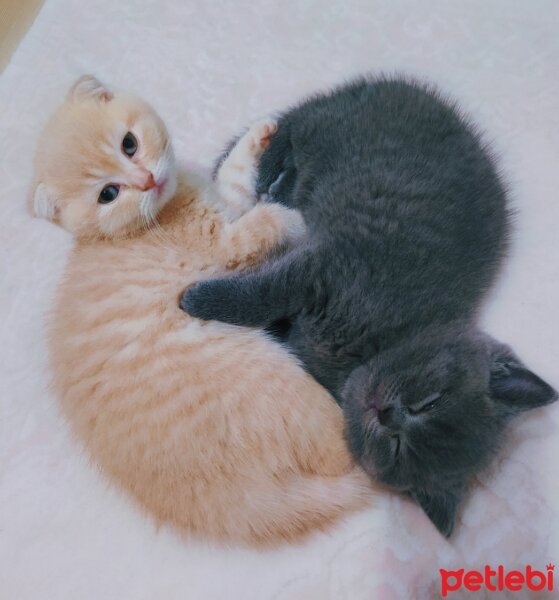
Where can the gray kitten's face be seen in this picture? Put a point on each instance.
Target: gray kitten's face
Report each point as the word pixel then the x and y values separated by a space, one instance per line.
pixel 424 418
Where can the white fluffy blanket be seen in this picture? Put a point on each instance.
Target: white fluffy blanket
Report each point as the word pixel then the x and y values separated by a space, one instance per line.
pixel 209 68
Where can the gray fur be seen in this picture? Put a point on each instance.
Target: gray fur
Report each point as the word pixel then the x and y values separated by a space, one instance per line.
pixel 408 225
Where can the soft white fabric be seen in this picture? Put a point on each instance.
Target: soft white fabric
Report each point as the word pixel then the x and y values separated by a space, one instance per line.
pixel 209 68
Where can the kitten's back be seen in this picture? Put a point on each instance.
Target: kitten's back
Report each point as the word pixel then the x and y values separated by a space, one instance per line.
pixel 399 187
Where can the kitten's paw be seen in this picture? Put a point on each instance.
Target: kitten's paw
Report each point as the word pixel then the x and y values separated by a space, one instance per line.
pixel 260 134
pixel 236 177
pixel 210 301
pixel 196 300
pixel 295 227
pixel 290 222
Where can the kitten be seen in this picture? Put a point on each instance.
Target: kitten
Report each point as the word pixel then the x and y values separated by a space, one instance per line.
pixel 213 429
pixel 408 224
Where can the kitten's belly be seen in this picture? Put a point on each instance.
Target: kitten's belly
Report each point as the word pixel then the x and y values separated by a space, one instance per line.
pixel 130 295
pixel 130 367
pixel 120 325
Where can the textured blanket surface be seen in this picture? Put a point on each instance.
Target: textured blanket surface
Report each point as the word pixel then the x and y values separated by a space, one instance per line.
pixel 209 68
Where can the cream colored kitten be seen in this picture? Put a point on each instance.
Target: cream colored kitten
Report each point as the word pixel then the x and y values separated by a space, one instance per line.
pixel 211 428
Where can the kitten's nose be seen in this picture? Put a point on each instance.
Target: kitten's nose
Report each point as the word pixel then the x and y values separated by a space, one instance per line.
pixel 149 182
pixel 386 417
pixel 388 414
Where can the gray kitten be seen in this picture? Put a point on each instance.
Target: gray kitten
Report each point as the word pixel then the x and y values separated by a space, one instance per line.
pixel 408 225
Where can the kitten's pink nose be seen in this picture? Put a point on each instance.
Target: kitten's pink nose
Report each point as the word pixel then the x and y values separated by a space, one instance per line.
pixel 149 182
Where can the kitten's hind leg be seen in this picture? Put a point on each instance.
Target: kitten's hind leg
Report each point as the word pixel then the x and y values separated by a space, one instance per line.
pixel 236 177
pixel 253 299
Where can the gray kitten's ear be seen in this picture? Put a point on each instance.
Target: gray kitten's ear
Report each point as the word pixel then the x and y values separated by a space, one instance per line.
pixel 440 507
pixel 43 203
pixel 88 87
pixel 515 386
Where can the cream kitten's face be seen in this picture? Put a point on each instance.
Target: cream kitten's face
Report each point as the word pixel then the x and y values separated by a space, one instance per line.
pixel 104 164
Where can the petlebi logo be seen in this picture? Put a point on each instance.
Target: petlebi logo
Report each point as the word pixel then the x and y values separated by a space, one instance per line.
pixel 498 579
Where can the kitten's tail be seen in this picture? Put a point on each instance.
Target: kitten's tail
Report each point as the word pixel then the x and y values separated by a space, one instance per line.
pixel 306 503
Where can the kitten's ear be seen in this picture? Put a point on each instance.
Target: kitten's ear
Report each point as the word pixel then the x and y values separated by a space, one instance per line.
pixel 515 386
pixel 277 159
pixel 440 507
pixel 43 204
pixel 88 87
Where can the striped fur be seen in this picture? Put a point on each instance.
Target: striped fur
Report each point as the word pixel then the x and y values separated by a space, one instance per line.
pixel 213 429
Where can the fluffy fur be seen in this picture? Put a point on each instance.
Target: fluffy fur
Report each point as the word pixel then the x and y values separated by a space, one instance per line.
pixel 213 429
pixel 408 224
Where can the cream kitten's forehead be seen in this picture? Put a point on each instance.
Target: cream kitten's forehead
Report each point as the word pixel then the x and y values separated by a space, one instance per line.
pixel 84 138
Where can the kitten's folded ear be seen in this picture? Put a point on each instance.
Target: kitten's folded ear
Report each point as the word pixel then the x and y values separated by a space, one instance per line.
pixel 43 203
pixel 515 386
pixel 88 87
pixel 440 507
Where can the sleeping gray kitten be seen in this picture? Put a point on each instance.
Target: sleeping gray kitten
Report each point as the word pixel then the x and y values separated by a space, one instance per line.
pixel 408 225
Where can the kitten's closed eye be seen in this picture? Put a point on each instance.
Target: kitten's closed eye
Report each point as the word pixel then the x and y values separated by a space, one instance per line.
pixel 129 145
pixel 395 445
pixel 426 404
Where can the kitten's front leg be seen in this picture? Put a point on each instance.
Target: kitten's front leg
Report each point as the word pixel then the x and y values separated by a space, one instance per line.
pixel 250 239
pixel 255 298
pixel 236 177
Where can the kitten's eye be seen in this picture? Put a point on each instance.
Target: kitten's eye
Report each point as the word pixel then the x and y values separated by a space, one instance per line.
pixel 108 194
pixel 129 144
pixel 425 405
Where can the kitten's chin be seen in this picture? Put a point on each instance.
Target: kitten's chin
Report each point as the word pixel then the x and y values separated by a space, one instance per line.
pixel 380 448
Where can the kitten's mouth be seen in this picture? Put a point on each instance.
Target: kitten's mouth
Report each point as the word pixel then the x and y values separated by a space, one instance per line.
pixel 160 186
pixel 372 423
pixel 371 413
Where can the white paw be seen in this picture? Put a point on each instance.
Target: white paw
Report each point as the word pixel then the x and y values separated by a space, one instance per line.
pixel 294 225
pixel 259 135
